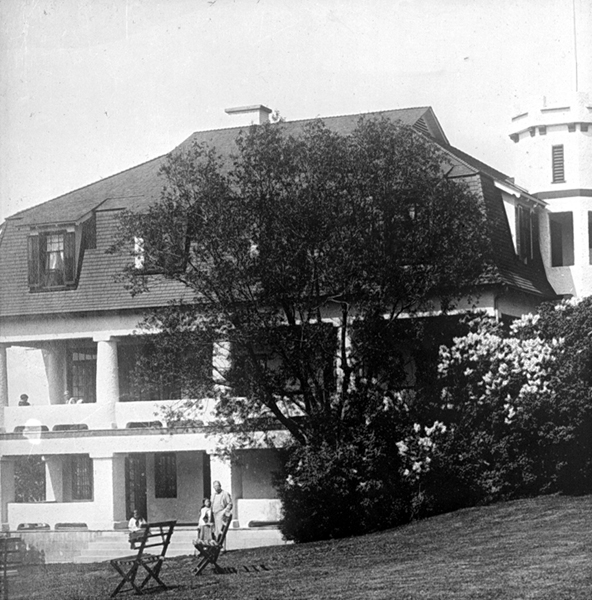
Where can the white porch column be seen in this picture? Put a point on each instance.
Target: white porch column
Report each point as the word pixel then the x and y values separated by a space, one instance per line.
pixel 54 479
pixel 107 379
pixel 3 384
pixel 54 360
pixel 108 490
pixel 222 470
pixel 6 488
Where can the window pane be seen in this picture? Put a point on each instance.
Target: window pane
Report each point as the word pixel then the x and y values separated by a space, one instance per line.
pixel 54 259
pixel 82 477
pixel 83 374
pixel 562 239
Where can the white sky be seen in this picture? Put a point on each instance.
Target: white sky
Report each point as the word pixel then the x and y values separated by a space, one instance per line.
pixel 89 88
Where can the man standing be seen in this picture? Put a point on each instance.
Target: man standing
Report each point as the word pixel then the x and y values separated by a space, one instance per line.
pixel 221 506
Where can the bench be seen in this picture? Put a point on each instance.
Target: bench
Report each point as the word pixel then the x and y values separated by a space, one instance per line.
pixel 152 544
pixel 208 551
pixel 11 557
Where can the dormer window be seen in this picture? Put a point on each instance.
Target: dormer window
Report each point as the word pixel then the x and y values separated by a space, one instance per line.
pixel 52 260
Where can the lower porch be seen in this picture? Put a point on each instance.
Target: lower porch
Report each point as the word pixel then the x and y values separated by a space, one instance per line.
pixel 98 490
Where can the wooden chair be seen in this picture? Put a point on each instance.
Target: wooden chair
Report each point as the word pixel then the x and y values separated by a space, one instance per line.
pixel 11 558
pixel 210 550
pixel 155 538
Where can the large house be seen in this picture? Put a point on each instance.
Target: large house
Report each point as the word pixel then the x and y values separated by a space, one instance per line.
pixel 106 453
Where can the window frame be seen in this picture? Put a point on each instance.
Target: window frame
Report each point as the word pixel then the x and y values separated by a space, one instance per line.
pixel 88 368
pixel 38 257
pixel 82 477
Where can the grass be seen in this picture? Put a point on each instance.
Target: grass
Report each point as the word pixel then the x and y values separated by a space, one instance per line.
pixel 537 548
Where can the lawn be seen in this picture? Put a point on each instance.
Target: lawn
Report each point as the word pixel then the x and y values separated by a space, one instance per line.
pixel 536 548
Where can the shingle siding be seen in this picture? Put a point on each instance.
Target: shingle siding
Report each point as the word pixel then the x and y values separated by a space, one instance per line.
pixel 97 288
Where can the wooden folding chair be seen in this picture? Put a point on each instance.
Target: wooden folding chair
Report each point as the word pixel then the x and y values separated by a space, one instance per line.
pixel 155 536
pixel 10 559
pixel 210 550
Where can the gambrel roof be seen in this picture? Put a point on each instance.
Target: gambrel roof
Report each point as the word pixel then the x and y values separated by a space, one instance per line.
pixel 97 289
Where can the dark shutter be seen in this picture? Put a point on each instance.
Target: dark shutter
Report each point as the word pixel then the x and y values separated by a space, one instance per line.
pixel 42 260
pixel 535 235
pixel 558 164
pixel 518 211
pixel 34 271
pixel 69 258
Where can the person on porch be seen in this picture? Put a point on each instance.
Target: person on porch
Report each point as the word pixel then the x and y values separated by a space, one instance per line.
pixel 205 526
pixel 221 506
pixel 136 527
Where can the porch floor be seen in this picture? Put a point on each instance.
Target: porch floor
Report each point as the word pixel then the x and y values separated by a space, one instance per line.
pixel 111 544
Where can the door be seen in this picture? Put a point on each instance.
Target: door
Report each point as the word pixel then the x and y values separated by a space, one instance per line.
pixel 135 485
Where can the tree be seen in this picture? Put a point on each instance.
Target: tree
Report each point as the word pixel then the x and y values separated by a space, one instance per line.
pixel 298 249
pixel 301 253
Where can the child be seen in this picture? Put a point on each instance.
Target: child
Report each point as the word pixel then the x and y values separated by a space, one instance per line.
pixel 206 521
pixel 136 527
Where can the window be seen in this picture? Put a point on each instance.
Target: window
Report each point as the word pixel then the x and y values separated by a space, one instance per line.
pixel 526 233
pixel 165 475
pixel 558 164
pixel 82 477
pixel 29 479
pixel 82 374
pixel 562 239
pixel 145 372
pixel 285 359
pixel 51 260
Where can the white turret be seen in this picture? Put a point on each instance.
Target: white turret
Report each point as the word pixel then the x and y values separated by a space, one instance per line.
pixel 553 144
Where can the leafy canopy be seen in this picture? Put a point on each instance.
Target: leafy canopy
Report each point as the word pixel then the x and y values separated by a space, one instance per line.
pixel 300 252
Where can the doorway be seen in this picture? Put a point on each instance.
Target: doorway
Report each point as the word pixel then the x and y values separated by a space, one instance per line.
pixel 135 485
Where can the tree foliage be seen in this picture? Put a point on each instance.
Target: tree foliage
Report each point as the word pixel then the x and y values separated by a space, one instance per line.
pixel 297 245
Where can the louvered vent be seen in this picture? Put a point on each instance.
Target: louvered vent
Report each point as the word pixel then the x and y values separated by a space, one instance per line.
pixel 422 126
pixel 558 164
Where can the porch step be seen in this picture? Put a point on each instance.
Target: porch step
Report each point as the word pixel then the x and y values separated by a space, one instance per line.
pixel 112 544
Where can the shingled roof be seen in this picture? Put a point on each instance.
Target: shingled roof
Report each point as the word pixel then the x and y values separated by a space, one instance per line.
pixel 136 187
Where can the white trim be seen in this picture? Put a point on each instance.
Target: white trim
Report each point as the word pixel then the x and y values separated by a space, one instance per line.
pixel 46 337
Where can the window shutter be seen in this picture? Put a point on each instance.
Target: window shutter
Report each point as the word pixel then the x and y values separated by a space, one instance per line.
pixel 535 234
pixel 34 271
pixel 69 258
pixel 518 211
pixel 558 164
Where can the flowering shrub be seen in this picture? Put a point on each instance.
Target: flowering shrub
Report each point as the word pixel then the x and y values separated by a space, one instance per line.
pixel 511 416
pixel 515 422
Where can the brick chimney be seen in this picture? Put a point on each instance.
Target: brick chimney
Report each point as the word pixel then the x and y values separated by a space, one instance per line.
pixel 249 115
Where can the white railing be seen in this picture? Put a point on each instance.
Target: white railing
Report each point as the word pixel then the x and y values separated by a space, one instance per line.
pixel 52 513
pixel 95 415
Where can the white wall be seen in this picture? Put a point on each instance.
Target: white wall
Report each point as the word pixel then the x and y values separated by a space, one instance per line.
pixel 26 375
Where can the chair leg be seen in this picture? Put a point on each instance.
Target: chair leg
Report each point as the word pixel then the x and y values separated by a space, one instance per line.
pixel 201 565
